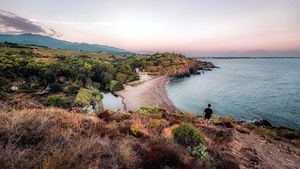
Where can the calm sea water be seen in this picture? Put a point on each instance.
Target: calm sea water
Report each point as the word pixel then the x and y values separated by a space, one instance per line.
pixel 247 89
pixel 112 102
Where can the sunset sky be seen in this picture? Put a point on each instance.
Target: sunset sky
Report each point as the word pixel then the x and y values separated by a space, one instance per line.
pixel 194 27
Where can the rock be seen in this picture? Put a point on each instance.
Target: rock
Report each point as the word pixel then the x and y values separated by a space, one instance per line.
pixel 243 130
pixel 14 88
pixel 262 123
pixel 106 115
pixel 210 65
pixel 103 114
pixel 119 117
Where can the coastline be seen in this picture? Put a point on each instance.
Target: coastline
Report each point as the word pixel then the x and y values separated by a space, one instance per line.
pixel 150 93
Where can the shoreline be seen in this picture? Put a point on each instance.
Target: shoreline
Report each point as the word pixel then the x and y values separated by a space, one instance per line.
pixel 152 92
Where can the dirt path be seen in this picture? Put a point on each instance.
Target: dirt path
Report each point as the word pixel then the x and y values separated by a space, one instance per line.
pixel 264 153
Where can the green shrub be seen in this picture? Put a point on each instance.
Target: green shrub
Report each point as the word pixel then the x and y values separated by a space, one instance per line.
pixel 226 121
pixel 187 135
pixel 148 109
pixel 87 97
pixel 96 85
pixel 121 77
pixel 58 101
pixel 83 97
pixel 48 77
pixel 155 123
pixel 115 86
pixel 199 151
pixel 81 80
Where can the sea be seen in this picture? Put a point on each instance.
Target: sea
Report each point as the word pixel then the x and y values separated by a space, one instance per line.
pixel 246 89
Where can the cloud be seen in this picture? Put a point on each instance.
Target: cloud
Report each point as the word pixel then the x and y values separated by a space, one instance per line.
pixel 11 23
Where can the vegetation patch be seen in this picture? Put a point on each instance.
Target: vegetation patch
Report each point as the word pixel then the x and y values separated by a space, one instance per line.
pixel 186 134
pixel 149 110
pixel 199 151
pixel 86 97
pixel 115 86
pixel 155 123
pixel 57 101
pixel 226 121
pixel 265 131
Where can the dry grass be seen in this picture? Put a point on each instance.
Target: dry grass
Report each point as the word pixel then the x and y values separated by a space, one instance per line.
pixel 54 138
pixel 57 139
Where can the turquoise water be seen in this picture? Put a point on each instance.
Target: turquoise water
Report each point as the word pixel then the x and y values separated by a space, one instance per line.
pixel 112 102
pixel 247 89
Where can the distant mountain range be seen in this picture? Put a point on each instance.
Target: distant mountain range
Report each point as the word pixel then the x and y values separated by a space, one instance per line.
pixel 50 42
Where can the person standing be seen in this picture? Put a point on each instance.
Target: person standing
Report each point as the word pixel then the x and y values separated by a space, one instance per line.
pixel 207 113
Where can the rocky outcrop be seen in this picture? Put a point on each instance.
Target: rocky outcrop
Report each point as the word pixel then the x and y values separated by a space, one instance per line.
pixel 192 67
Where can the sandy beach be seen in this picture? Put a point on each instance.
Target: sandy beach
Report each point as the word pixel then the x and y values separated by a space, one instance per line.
pixel 150 93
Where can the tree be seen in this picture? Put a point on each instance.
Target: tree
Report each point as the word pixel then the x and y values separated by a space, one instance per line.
pixel 115 86
pixel 107 78
pixel 81 80
pixel 121 77
pixel 48 77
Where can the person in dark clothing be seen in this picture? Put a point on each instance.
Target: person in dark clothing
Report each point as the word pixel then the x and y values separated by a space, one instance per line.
pixel 208 113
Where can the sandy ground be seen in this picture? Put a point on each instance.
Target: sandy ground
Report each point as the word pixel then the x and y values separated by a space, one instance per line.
pixel 151 93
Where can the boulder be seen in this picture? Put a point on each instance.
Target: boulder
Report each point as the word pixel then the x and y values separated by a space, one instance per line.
pixel 262 122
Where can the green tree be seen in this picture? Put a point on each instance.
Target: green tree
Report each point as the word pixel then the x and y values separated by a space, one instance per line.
pixel 48 77
pixel 115 86
pixel 121 77
pixel 81 80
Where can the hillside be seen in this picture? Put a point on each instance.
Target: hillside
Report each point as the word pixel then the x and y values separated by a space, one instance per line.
pixel 75 79
pixel 50 42
pixel 149 138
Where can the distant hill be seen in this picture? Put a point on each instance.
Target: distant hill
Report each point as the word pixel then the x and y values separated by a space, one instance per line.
pixel 50 42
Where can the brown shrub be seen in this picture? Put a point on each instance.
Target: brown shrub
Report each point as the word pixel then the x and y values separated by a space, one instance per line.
pixel 163 154
pixel 127 156
pixel 54 138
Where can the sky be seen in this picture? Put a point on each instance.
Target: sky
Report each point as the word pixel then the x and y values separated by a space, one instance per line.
pixel 192 27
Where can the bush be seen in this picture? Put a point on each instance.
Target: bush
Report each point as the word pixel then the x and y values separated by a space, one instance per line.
pixel 55 88
pixel 121 77
pixel 187 135
pixel 48 77
pixel 155 123
pixel 96 85
pixel 81 80
pixel 57 101
pixel 115 86
pixel 163 155
pixel 86 97
pixel 226 121
pixel 199 151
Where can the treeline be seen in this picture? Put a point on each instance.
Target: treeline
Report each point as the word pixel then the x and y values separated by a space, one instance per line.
pixel 82 70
